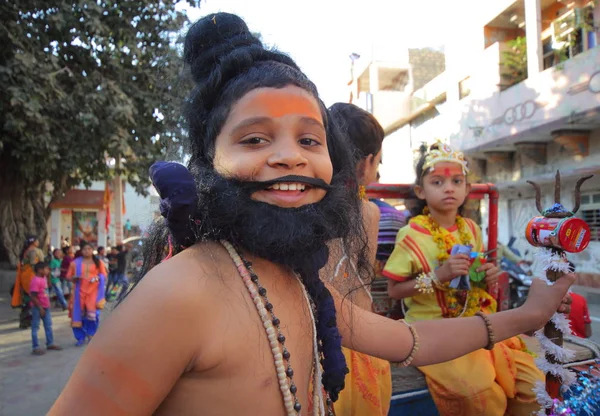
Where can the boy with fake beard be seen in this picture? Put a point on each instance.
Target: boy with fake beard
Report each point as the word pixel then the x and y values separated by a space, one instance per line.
pixel 237 321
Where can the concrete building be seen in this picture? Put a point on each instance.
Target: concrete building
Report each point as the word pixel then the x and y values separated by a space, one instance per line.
pixel 82 213
pixel 386 90
pixel 521 96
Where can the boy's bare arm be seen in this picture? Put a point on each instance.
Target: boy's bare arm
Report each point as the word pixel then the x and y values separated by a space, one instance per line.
pixel 35 299
pixel 36 302
pixel 391 340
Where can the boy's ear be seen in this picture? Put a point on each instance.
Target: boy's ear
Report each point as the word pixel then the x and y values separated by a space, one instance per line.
pixel 370 159
pixel 361 167
pixel 419 192
pixel 468 189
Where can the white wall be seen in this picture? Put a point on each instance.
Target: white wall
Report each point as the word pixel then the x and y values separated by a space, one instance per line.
pixel 397 166
pixel 139 209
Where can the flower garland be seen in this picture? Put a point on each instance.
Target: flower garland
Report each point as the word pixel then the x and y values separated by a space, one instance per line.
pixel 458 302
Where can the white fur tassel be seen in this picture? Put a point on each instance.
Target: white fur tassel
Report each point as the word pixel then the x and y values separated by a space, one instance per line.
pixel 562 323
pixel 543 398
pixel 561 354
pixel 567 377
pixel 552 261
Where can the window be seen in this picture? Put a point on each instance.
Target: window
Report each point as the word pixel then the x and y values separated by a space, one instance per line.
pixel 590 213
pixel 464 88
pixel 550 58
pixel 572 34
pixel 369 103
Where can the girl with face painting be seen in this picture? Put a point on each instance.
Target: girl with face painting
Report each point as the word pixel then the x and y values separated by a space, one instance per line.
pixel 436 283
pixel 230 316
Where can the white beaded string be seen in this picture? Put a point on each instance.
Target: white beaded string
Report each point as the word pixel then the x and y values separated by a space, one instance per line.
pixel 318 402
pixel 288 399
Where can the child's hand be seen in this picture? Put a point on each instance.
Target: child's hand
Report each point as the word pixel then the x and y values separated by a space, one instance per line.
pixel 492 273
pixel 544 300
pixel 42 312
pixel 457 265
pixel 565 306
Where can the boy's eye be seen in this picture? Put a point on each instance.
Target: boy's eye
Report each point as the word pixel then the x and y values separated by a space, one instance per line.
pixel 458 181
pixel 254 141
pixel 309 142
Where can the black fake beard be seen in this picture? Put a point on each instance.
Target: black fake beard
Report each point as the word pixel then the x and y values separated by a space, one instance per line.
pixel 294 237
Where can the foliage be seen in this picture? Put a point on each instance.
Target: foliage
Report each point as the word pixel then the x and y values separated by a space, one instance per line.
pixel 83 82
pixel 514 62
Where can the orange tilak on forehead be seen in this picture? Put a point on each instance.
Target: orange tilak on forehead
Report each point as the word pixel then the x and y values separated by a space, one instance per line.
pixel 447 170
pixel 274 103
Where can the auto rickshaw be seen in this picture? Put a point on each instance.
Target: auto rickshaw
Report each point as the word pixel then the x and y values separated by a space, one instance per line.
pixel 410 393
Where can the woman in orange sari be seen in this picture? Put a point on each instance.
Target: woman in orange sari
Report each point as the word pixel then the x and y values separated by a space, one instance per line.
pixel 89 275
pixel 30 256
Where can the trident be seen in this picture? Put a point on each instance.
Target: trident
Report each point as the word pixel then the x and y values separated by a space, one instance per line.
pixel 553 383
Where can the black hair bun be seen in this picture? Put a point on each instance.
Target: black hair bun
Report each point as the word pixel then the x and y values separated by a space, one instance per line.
pixel 212 38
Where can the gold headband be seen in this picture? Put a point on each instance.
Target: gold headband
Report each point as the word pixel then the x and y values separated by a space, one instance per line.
pixel 444 153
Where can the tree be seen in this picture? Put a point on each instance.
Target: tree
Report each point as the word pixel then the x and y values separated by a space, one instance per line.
pixel 82 82
pixel 514 62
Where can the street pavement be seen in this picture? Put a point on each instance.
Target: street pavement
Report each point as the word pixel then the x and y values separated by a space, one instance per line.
pixel 30 384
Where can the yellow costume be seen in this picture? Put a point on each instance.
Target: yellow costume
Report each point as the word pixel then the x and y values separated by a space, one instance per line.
pixel 368 388
pixel 489 383
pixel 368 385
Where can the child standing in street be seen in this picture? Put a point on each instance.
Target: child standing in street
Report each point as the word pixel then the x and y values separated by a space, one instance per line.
pixel 40 308
pixel 111 292
pixel 55 263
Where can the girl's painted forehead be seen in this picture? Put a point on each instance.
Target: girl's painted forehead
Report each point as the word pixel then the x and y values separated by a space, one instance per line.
pixel 446 170
pixel 278 102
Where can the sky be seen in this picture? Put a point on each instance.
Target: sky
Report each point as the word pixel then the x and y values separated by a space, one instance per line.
pixel 320 35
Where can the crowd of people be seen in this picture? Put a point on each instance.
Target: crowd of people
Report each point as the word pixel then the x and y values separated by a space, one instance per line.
pixel 75 278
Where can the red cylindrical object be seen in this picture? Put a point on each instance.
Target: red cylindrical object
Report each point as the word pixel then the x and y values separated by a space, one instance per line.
pixel 569 234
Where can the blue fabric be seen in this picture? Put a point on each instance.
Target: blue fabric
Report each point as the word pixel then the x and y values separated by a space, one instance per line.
pixel 66 286
pixel 59 294
pixel 178 198
pixel 35 326
pixel 334 363
pixel 101 287
pixel 88 329
pixel 76 312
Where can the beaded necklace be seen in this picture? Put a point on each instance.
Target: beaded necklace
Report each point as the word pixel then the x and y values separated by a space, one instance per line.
pixel 281 355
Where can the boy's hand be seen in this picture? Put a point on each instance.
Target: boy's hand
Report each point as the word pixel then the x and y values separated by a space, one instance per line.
pixel 457 265
pixel 565 305
pixel 42 312
pixel 492 273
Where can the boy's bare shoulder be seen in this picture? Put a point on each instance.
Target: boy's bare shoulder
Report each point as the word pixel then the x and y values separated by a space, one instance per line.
pixel 193 273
